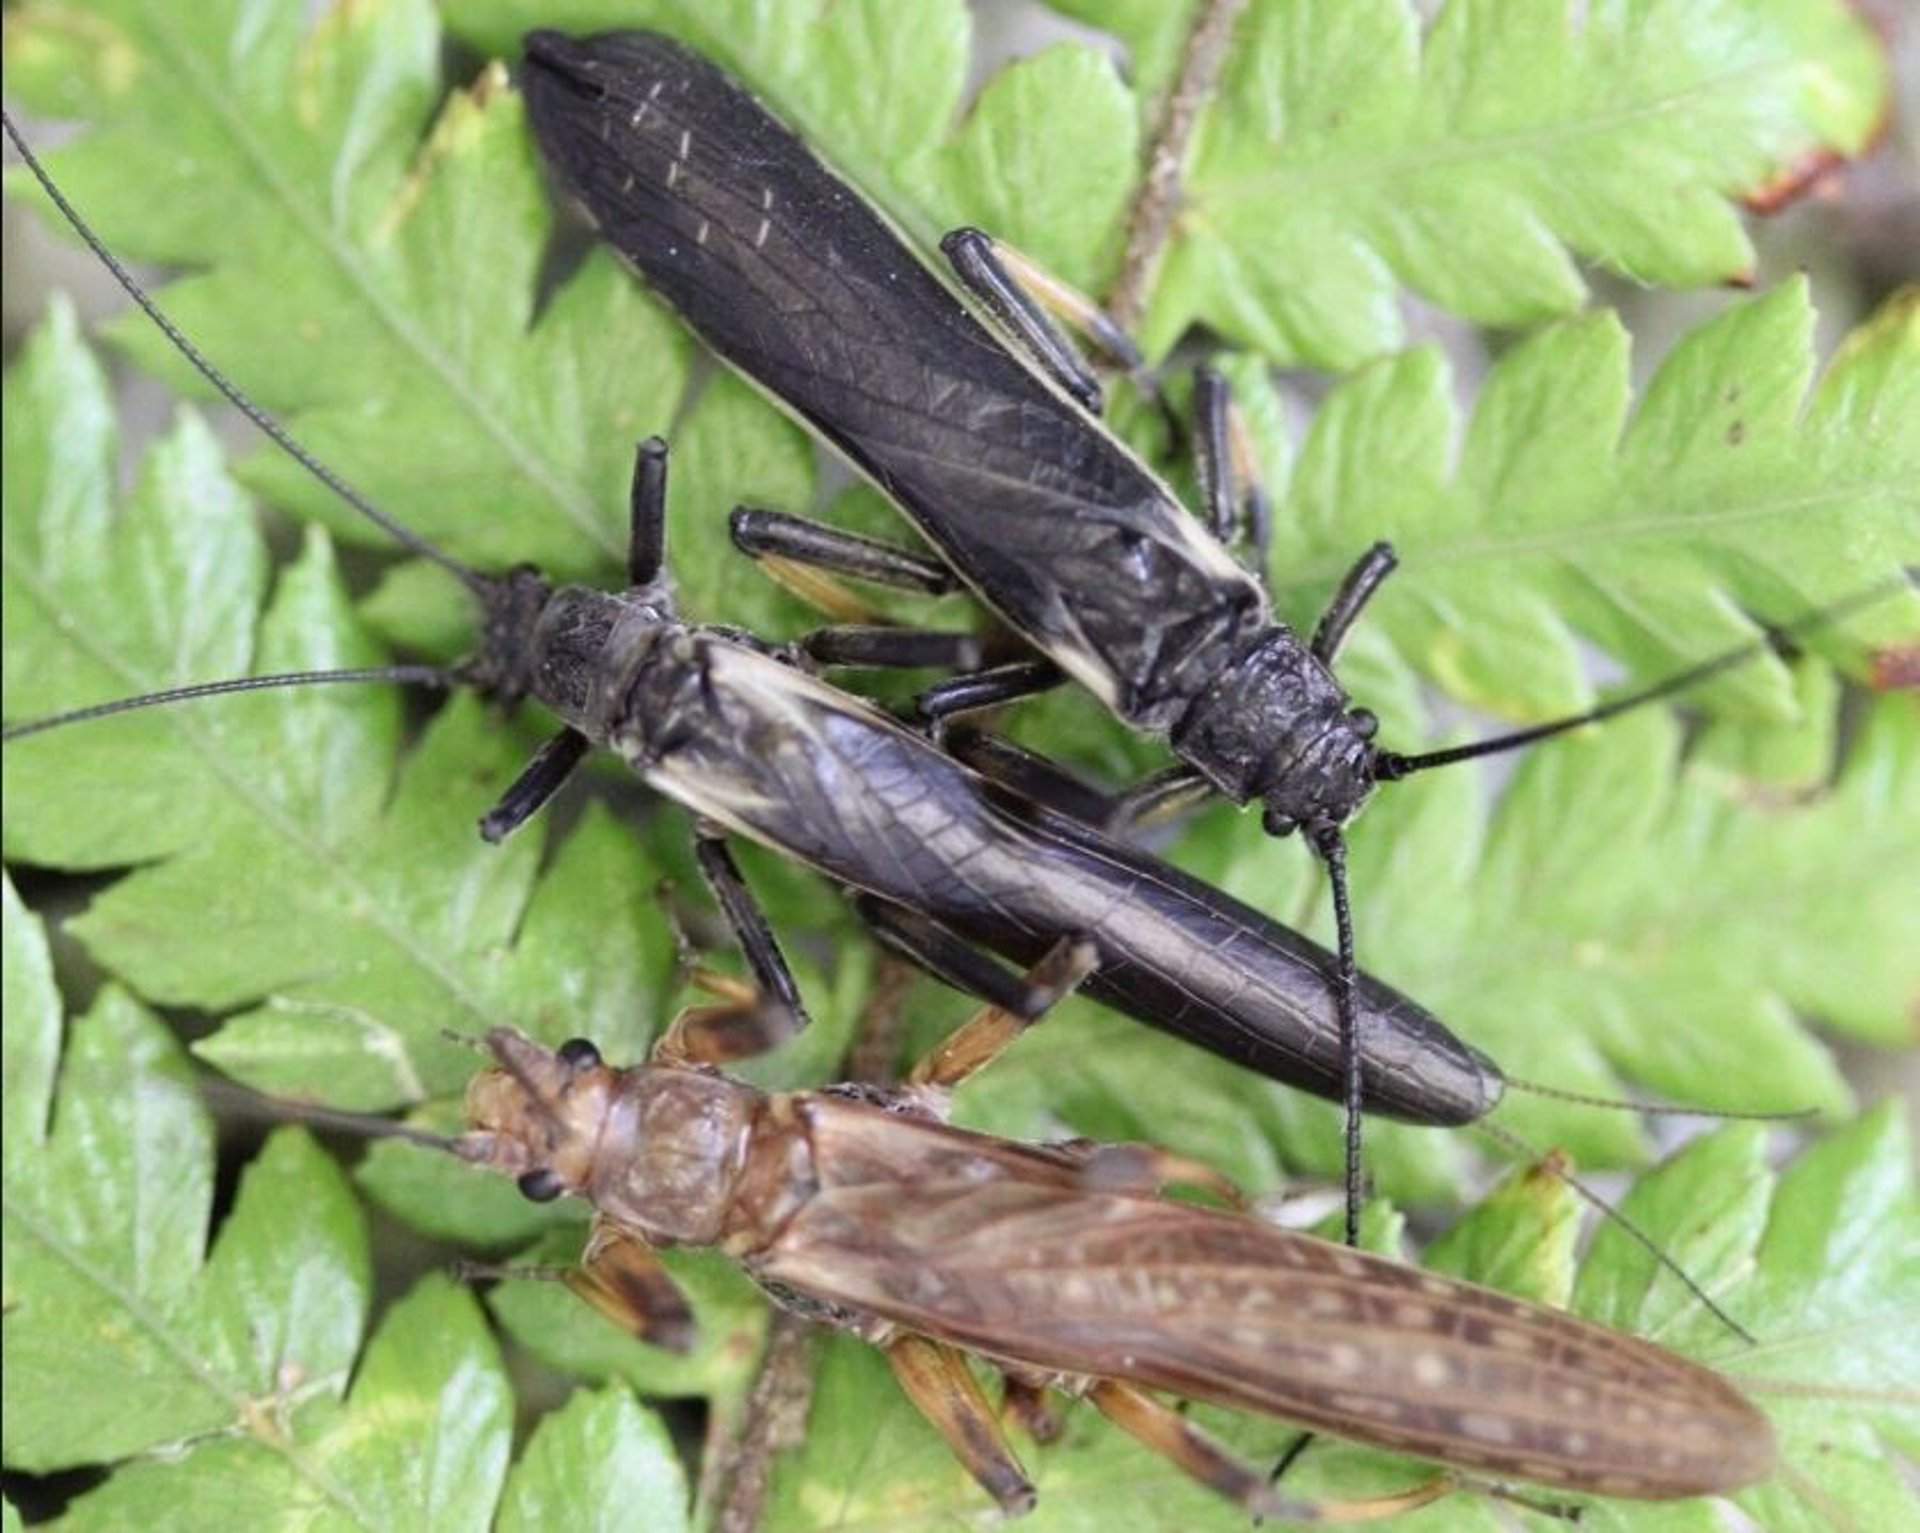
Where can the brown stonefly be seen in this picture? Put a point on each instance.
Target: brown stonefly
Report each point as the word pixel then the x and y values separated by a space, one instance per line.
pixel 1065 1268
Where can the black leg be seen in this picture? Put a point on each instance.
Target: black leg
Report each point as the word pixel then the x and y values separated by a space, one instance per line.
pixel 550 767
pixel 981 266
pixel 988 689
pixel 1045 782
pixel 1212 455
pixel 1035 285
pixel 1355 592
pixel 1236 502
pixel 773 534
pixel 928 945
pixel 1291 1457
pixel 1157 797
pixel 1333 852
pixel 876 646
pixel 771 976
pixel 647 526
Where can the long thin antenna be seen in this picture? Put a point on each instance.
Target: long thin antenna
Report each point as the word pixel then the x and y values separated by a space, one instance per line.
pixel 242 1101
pixel 1519 1146
pixel 1333 852
pixel 403 675
pixel 1659 1109
pixel 1388 766
pixel 472 579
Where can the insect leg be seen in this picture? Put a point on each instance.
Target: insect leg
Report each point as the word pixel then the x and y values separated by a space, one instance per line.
pixel 1146 1170
pixel 1159 797
pixel 988 689
pixel 980 1040
pixel 950 959
pixel 1178 1440
pixel 620 1276
pixel 1355 592
pixel 1032 776
pixel 1236 500
pixel 647 525
pixel 1018 294
pixel 1028 1407
pixel 751 1018
pixel 938 1381
pixel 774 534
pixel 871 645
pixel 542 777
pixel 798 554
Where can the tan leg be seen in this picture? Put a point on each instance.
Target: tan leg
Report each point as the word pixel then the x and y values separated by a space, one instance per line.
pixel 1176 1439
pixel 938 1381
pixel 743 1025
pixel 983 1037
pixel 1145 1170
pixel 1027 1406
pixel 620 1276
pixel 721 1035
pixel 823 592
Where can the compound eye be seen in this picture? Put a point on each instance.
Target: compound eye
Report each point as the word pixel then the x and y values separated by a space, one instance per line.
pixel 541 1186
pixel 579 1054
pixel 1365 723
pixel 1278 824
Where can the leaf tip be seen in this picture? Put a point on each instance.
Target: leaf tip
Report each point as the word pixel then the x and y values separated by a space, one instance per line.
pixel 1815 173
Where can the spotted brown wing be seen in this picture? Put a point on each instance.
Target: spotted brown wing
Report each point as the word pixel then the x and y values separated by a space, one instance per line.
pixel 1031 1269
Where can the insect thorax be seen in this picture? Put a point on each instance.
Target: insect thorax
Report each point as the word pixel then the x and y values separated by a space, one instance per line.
pixel 1276 726
pixel 673 1153
pixel 590 647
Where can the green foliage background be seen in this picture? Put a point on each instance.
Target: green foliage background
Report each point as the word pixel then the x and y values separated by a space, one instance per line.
pixel 364 251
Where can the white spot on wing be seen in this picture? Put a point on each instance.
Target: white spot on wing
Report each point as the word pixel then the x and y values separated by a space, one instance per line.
pixel 1487 1428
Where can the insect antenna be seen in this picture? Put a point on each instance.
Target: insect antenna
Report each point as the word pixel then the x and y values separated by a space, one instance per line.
pixel 1512 1141
pixel 404 675
pixel 405 536
pixel 1389 766
pixel 241 1102
pixel 1332 848
pixel 1660 1109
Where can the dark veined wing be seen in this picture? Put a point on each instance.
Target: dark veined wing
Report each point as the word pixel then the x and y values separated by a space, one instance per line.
pixel 1224 1308
pixel 798 282
pixel 787 760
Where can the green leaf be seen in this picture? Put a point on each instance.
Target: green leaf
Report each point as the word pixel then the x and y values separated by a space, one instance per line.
pixel 601 1464
pixel 1844 1411
pixel 125 1333
pixel 378 267
pixel 232 1376
pixel 377 292
pixel 391 920
pixel 1348 157
pixel 1555 515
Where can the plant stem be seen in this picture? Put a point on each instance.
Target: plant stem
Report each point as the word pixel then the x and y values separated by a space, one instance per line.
pixel 775 1416
pixel 1150 224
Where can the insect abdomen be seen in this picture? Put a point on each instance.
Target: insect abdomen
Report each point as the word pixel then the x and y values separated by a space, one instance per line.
pixel 1226 1309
